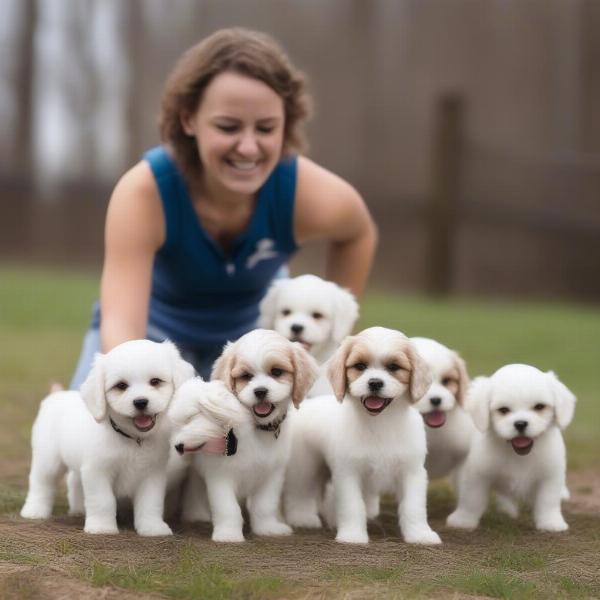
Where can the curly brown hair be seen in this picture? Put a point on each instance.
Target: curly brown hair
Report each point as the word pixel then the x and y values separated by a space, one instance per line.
pixel 242 51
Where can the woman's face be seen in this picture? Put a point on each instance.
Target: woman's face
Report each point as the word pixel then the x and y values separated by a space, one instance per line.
pixel 238 127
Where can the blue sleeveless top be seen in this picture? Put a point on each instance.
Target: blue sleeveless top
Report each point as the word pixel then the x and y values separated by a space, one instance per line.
pixel 201 297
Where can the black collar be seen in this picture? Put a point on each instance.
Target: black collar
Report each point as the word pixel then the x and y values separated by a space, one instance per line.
pixel 274 426
pixel 138 440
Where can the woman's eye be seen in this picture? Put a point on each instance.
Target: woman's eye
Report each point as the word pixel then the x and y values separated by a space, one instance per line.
pixel 317 315
pixel 504 410
pixel 286 311
pixel 265 129
pixel 393 367
pixel 539 407
pixel 122 385
pixel 227 128
pixel 155 382
pixel 276 372
pixel 360 366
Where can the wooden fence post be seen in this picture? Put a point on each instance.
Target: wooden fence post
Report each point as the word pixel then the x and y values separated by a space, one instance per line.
pixel 442 204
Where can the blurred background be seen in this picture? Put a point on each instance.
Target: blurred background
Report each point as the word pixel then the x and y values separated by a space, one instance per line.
pixel 470 127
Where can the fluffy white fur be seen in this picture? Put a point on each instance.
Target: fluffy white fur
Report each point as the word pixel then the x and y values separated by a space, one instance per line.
pixel 133 385
pixel 519 449
pixel 267 374
pixel 317 313
pixel 449 427
pixel 369 438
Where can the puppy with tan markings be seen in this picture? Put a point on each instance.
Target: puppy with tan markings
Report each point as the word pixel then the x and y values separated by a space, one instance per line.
pixel 519 449
pixel 449 427
pixel 268 375
pixel 368 438
pixel 113 438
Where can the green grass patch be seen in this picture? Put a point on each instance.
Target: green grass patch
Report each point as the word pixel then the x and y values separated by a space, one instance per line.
pixel 11 500
pixel 495 584
pixel 187 579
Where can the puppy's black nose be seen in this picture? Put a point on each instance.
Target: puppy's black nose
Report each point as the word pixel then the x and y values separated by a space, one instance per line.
pixel 261 392
pixel 375 384
pixel 435 401
pixel 179 448
pixel 140 403
pixel 297 329
pixel 521 425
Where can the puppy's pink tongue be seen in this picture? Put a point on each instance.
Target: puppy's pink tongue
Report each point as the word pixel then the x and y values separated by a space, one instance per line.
pixel 374 402
pixel 215 446
pixel 263 408
pixel 143 421
pixel 522 444
pixel 435 418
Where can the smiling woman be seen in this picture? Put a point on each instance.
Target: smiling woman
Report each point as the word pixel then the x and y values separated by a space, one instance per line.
pixel 197 230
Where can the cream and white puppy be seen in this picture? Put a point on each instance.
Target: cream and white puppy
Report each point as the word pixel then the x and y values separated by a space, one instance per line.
pixel 519 449
pixel 449 427
pixel 369 438
pixel 267 374
pixel 317 313
pixel 112 437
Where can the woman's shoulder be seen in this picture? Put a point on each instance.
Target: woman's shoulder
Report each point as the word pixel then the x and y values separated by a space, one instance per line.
pixel 136 199
pixel 326 204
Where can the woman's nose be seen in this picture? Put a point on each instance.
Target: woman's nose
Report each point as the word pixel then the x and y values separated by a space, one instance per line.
pixel 248 145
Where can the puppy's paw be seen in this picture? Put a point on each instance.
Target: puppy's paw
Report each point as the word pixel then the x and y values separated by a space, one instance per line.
pixel 153 528
pixel 227 534
pixel 461 520
pixel 425 536
pixel 99 527
pixel 304 519
pixel 556 524
pixel 272 528
pixel 36 511
pixel 352 536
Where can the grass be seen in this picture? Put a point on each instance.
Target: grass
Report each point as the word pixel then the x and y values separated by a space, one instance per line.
pixel 43 316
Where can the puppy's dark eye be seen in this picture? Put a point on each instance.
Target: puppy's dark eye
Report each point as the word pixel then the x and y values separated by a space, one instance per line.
pixel 276 372
pixel 155 382
pixel 317 315
pixel 446 381
pixel 245 376
pixel 393 367
pixel 539 406
pixel 122 385
pixel 504 410
pixel 359 366
pixel 286 311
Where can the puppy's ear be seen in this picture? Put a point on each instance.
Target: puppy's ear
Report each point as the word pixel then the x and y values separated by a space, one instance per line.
pixel 420 374
pixel 268 305
pixel 223 365
pixel 477 402
pixel 463 379
pixel 181 369
pixel 345 313
pixel 564 400
pixel 306 371
pixel 336 368
pixel 92 389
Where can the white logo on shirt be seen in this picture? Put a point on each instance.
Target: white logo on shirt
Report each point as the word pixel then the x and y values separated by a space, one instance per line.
pixel 264 251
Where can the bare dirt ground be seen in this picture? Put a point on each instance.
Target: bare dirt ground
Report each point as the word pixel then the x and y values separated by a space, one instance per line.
pixel 53 560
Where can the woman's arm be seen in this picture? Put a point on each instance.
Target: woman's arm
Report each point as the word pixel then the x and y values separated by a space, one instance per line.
pixel 328 208
pixel 135 230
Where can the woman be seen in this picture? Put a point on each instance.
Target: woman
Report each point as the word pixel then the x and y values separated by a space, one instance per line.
pixel 197 230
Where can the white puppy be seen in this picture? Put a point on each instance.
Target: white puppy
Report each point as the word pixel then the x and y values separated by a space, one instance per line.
pixel 519 450
pixel 371 439
pixel 267 373
pixel 113 438
pixel 317 313
pixel 449 427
